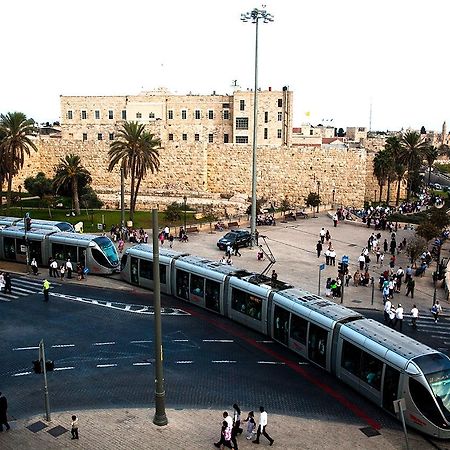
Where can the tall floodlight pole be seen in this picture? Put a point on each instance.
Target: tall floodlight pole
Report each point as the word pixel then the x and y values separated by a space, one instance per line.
pixel 255 15
pixel 160 417
pixel 122 196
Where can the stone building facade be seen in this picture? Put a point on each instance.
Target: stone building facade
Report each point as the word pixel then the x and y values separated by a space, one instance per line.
pixel 207 150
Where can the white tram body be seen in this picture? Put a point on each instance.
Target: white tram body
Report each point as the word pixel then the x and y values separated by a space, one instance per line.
pixel 380 363
pixel 97 253
pixel 52 225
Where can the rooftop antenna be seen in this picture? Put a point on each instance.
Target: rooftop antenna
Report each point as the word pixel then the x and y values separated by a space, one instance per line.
pixel 235 84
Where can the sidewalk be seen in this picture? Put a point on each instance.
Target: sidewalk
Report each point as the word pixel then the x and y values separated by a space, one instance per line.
pixel 133 429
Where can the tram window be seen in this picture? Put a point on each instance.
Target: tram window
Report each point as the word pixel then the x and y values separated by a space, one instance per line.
pixel 100 258
pixel 35 251
pixel 70 251
pixel 371 369
pixel 10 248
pixel 146 269
pixel 245 303
pixel 351 358
pixel 317 344
pixel 299 328
pixel 123 262
pixel 212 295
pixel 182 279
pixel 390 387
pixel 281 324
pixel 134 277
pixel 425 403
pixel 162 274
pixel 197 285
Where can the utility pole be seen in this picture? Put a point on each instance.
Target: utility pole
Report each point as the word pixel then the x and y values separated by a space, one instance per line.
pixel 122 197
pixel 160 417
pixel 42 360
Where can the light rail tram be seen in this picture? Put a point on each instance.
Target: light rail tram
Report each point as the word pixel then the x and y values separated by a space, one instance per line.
pixel 380 363
pixel 53 225
pixel 96 253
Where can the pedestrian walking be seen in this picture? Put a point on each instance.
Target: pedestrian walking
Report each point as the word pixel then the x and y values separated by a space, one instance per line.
pixel 414 316
pixel 335 220
pixel 327 236
pixel 62 271
pixel 236 425
pixel 236 249
pixel 332 255
pixel 251 425
pixel 274 277
pixel 3 413
pixel 362 261
pixel 34 266
pixel 46 289
pixel 410 285
pixel 399 316
pixel 7 278
pixel 225 434
pixel 436 310
pixel 387 309
pixel 319 248
pixel 381 259
pixel 54 268
pixel 69 268
pixel 74 427
pixel 262 427
pixel 170 239
pixel 322 235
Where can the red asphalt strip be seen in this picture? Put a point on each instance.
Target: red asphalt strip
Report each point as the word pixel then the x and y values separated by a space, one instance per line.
pixel 336 395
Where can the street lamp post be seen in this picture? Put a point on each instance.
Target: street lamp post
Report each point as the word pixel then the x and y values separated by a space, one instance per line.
pixel 255 15
pixel 318 195
pixel 184 200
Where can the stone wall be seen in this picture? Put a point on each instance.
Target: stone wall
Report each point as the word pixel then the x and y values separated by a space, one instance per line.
pixel 202 171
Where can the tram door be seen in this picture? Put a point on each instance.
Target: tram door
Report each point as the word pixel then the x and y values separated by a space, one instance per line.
pixel 35 252
pixel 281 325
pixel 317 345
pixel 134 270
pixel 390 388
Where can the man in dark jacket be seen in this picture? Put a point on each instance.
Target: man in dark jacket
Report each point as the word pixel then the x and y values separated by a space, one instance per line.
pixel 3 416
pixel 319 248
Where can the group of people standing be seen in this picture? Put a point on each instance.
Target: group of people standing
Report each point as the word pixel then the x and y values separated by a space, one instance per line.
pixel 231 428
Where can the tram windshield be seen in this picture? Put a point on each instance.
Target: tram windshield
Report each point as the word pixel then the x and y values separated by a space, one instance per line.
pixel 108 249
pixel 436 368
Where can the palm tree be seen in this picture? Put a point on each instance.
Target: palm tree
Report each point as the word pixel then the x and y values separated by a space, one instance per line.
pixel 16 130
pixel 431 154
pixel 412 154
pixel 68 172
pixel 398 169
pixel 381 167
pixel 136 150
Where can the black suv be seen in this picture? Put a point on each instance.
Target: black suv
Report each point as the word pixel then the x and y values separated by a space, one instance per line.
pixel 243 238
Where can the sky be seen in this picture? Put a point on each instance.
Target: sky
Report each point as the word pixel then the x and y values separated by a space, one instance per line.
pixel 342 59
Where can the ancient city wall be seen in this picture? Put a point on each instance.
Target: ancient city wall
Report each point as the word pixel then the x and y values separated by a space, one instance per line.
pixel 200 170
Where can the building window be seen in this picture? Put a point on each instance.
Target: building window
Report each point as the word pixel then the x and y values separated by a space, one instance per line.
pixel 84 114
pixel 266 117
pixel 266 133
pixel 280 116
pixel 280 102
pixel 210 138
pixel 225 138
pixel 70 115
pixel 97 114
pixel 242 123
pixel 225 105
pixel 151 115
pixel 226 114
pixel 100 136
pixel 110 114
pixel 279 133
pixel 184 137
pixel 138 115
pixel 197 114
pixel 311 132
pixel 170 136
pixel 170 114
pixel 124 114
pixel 241 105
pixel 241 139
pixel 210 114
pixel 196 137
pixel 84 136
pixel 111 136
pixel 183 114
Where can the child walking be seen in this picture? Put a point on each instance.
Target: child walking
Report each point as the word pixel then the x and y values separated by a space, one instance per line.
pixel 251 424
pixel 74 429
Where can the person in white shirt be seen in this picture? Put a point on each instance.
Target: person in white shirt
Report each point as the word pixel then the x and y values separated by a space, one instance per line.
pixel 69 268
pixel 262 427
pixel 414 316
pixel 34 266
pixel 54 267
pixel 322 235
pixel 399 316
pixel 387 309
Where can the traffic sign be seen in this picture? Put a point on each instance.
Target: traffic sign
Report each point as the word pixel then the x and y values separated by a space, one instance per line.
pixel 345 259
pixel 322 267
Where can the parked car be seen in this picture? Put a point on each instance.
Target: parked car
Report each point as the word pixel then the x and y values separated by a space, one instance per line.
pixel 241 237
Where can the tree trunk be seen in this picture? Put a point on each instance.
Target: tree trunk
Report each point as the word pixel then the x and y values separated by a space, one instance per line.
pixel 397 200
pixel 388 195
pixel 76 200
pixel 429 175
pixel 381 191
pixel 136 192
pixel 408 185
pixel 9 194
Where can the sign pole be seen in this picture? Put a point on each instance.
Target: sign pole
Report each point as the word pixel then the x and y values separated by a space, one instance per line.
pixel 42 361
pixel 399 407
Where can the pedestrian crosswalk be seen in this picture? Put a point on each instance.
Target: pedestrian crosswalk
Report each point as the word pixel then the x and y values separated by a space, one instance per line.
pixel 22 287
pixel 435 334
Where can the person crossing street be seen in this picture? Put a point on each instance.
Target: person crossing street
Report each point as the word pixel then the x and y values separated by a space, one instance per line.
pixel 46 289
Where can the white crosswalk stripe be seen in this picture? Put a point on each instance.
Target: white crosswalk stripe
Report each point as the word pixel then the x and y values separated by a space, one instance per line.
pixel 22 287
